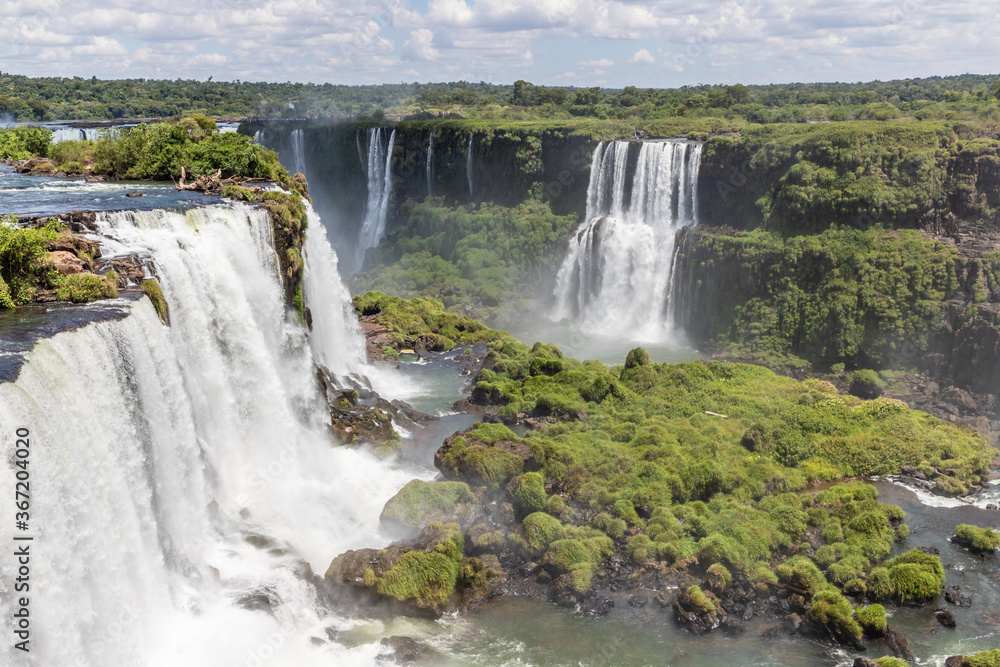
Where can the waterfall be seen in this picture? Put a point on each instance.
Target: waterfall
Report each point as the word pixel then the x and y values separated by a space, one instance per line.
pixel 430 165
pixel 298 153
pixel 618 272
pixel 379 172
pixel 182 476
pixel 468 168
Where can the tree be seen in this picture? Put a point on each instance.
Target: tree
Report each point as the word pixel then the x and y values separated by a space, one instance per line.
pixel 522 93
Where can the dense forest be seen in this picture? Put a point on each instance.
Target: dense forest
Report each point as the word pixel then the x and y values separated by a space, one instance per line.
pixel 27 99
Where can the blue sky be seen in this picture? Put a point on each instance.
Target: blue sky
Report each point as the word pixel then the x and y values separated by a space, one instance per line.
pixel 614 43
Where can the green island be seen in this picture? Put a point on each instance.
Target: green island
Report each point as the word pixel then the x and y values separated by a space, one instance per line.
pixel 711 476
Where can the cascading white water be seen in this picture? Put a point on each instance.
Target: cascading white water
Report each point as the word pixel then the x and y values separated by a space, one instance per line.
pixel 380 142
pixel 298 152
pixel 157 451
pixel 468 168
pixel 430 165
pixel 618 272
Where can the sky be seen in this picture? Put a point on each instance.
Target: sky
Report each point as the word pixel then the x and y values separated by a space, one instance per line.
pixel 611 43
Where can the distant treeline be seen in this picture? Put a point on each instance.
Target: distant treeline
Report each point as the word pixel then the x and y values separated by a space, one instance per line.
pixel 52 98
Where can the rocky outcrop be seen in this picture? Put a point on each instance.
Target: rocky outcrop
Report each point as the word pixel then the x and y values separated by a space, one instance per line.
pixel 486 461
pixel 358 415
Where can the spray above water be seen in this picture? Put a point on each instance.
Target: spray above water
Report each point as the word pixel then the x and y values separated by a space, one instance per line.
pixel 618 273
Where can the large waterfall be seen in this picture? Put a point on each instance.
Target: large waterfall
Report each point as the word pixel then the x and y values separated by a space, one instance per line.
pixel 617 276
pixel 182 477
pixel 379 143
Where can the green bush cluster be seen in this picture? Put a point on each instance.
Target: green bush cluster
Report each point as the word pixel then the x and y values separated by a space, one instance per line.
pixel 23 260
pixel 976 538
pixel 85 287
pixel 23 142
pixel 871 618
pixel 427 578
pixel 866 297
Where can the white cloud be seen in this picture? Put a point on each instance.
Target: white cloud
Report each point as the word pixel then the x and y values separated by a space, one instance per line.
pixel 420 46
pixel 378 40
pixel 642 57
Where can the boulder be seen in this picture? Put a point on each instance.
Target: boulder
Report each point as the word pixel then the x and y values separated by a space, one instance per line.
pixel 484 457
pixel 420 503
pixel 67 263
pixel 953 595
pixel 945 618
pixel 414 577
pixel 405 651
pixel 896 642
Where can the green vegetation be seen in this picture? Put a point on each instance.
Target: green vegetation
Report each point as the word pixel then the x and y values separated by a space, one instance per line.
pixel 890 661
pixel 645 465
pixel 85 287
pixel 24 261
pixel 419 500
pixel 872 619
pixel 984 540
pixel 965 96
pixel 832 609
pixel 21 143
pixel 983 659
pixel 868 297
pixel 151 288
pixel 487 262
pixel 155 151
pixel 426 578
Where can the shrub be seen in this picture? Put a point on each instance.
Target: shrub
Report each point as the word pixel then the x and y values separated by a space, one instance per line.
pixel 872 619
pixel 85 287
pixel 529 492
pixel 831 608
pixel 976 538
pixel 866 383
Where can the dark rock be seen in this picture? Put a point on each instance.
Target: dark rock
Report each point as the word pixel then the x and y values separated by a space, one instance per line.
pixel 257 601
pixel 955 661
pixel 864 662
pixel 896 642
pixel 405 650
pixel 945 618
pixel 133 193
pixel 954 595
pixel 792 623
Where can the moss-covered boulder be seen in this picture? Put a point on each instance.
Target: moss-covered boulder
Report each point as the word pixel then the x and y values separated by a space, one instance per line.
pixel 981 540
pixel 486 455
pixel 416 577
pixel 420 503
pixel 696 610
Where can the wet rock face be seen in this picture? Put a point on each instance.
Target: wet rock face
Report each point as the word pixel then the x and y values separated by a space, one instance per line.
pixel 358 415
pixel 945 618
